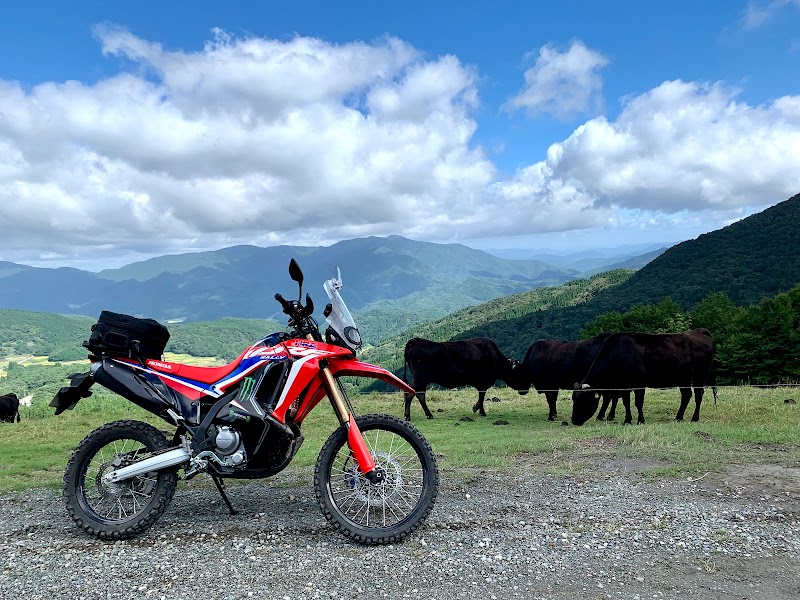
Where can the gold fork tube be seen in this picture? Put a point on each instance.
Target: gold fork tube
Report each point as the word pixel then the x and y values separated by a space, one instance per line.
pixel 335 395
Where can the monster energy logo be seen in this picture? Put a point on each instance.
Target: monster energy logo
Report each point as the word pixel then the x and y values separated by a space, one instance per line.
pixel 247 389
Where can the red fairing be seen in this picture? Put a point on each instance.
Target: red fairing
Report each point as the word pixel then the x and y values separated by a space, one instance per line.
pixel 356 368
pixel 304 378
pixel 300 347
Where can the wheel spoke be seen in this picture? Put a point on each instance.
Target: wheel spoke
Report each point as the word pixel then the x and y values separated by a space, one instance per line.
pixel 384 504
pixel 124 500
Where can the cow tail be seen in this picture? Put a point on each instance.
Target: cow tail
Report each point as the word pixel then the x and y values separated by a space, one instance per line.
pixel 714 382
pixel 405 363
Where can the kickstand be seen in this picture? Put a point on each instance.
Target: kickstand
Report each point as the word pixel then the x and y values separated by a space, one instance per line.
pixel 221 487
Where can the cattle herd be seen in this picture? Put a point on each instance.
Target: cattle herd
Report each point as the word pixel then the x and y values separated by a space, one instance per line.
pixel 607 367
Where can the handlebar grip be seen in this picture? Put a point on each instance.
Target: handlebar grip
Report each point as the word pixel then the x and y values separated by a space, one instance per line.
pixel 282 300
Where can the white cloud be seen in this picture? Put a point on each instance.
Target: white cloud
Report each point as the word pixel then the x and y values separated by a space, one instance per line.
pixel 757 14
pixel 678 149
pixel 305 142
pixel 247 139
pixel 562 83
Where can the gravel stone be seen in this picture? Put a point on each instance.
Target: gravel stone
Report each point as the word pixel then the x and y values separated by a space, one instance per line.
pixel 493 534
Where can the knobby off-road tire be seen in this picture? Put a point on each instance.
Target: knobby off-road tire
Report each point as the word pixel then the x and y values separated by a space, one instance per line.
pixel 384 513
pixel 117 511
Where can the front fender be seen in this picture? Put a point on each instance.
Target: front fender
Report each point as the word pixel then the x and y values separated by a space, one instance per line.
pixel 356 368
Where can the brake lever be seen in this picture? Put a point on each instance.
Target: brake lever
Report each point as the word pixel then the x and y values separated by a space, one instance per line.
pixel 309 309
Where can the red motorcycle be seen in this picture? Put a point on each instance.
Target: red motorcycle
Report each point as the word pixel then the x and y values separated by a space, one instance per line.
pixel 376 477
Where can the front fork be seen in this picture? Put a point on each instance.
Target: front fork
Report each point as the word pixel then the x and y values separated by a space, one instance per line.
pixel 355 440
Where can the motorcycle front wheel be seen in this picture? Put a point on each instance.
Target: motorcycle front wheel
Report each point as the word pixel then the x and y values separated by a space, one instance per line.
pixel 381 513
pixel 116 511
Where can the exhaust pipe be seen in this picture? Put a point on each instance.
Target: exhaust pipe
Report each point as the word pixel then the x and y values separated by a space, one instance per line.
pixel 173 457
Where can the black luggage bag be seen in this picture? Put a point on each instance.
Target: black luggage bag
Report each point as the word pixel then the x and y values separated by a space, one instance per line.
pixel 116 334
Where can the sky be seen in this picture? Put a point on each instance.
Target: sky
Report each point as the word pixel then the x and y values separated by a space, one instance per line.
pixel 134 129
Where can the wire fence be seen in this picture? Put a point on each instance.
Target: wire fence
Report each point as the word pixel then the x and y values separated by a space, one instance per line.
pixel 593 389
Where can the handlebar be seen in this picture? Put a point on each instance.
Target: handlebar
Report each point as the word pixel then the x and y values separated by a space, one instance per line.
pixel 294 308
pixel 287 308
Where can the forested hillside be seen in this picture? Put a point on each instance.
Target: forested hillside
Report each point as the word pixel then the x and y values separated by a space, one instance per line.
pixel 42 334
pixel 750 260
pixel 501 310
pixel 226 339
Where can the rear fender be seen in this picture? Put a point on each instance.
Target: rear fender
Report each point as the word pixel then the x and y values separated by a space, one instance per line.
pixel 67 397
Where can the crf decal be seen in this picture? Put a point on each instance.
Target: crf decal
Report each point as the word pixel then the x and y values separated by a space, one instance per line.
pixel 304 344
pixel 259 351
pixel 312 351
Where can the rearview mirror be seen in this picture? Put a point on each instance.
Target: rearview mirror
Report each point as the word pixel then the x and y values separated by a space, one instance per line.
pixel 295 272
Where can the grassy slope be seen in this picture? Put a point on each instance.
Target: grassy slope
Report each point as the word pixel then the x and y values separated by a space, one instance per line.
pixel 747 426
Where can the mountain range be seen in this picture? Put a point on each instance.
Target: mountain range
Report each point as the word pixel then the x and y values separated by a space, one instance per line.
pixel 392 283
pixel 750 260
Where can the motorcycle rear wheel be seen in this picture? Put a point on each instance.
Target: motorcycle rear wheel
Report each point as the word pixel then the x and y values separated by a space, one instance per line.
pixel 116 511
pixel 377 513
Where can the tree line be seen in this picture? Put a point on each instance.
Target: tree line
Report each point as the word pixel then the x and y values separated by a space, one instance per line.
pixel 757 344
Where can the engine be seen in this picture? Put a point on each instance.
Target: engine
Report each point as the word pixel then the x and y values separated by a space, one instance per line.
pixel 229 447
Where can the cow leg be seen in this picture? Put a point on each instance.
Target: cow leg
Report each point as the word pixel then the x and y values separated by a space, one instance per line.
pixel 698 399
pixel 686 395
pixel 639 394
pixel 407 408
pixel 479 405
pixel 551 403
pixel 602 414
pixel 612 414
pixel 420 394
pixel 423 404
pixel 626 400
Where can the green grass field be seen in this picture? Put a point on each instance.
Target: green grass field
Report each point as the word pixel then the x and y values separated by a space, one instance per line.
pixel 746 426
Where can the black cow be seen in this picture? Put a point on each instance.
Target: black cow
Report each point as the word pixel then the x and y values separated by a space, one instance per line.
pixel 9 408
pixel 553 365
pixel 477 362
pixel 641 360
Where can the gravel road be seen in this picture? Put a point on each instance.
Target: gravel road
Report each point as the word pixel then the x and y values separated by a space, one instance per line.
pixel 493 534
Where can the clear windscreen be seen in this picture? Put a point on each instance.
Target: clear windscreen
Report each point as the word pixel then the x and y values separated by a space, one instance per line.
pixel 340 319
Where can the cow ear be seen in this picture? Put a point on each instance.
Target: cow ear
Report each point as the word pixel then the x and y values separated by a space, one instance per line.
pixel 585 386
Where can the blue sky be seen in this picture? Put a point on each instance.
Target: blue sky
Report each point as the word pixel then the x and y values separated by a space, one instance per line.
pixel 749 50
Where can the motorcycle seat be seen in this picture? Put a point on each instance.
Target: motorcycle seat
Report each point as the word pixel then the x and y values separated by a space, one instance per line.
pixel 207 375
